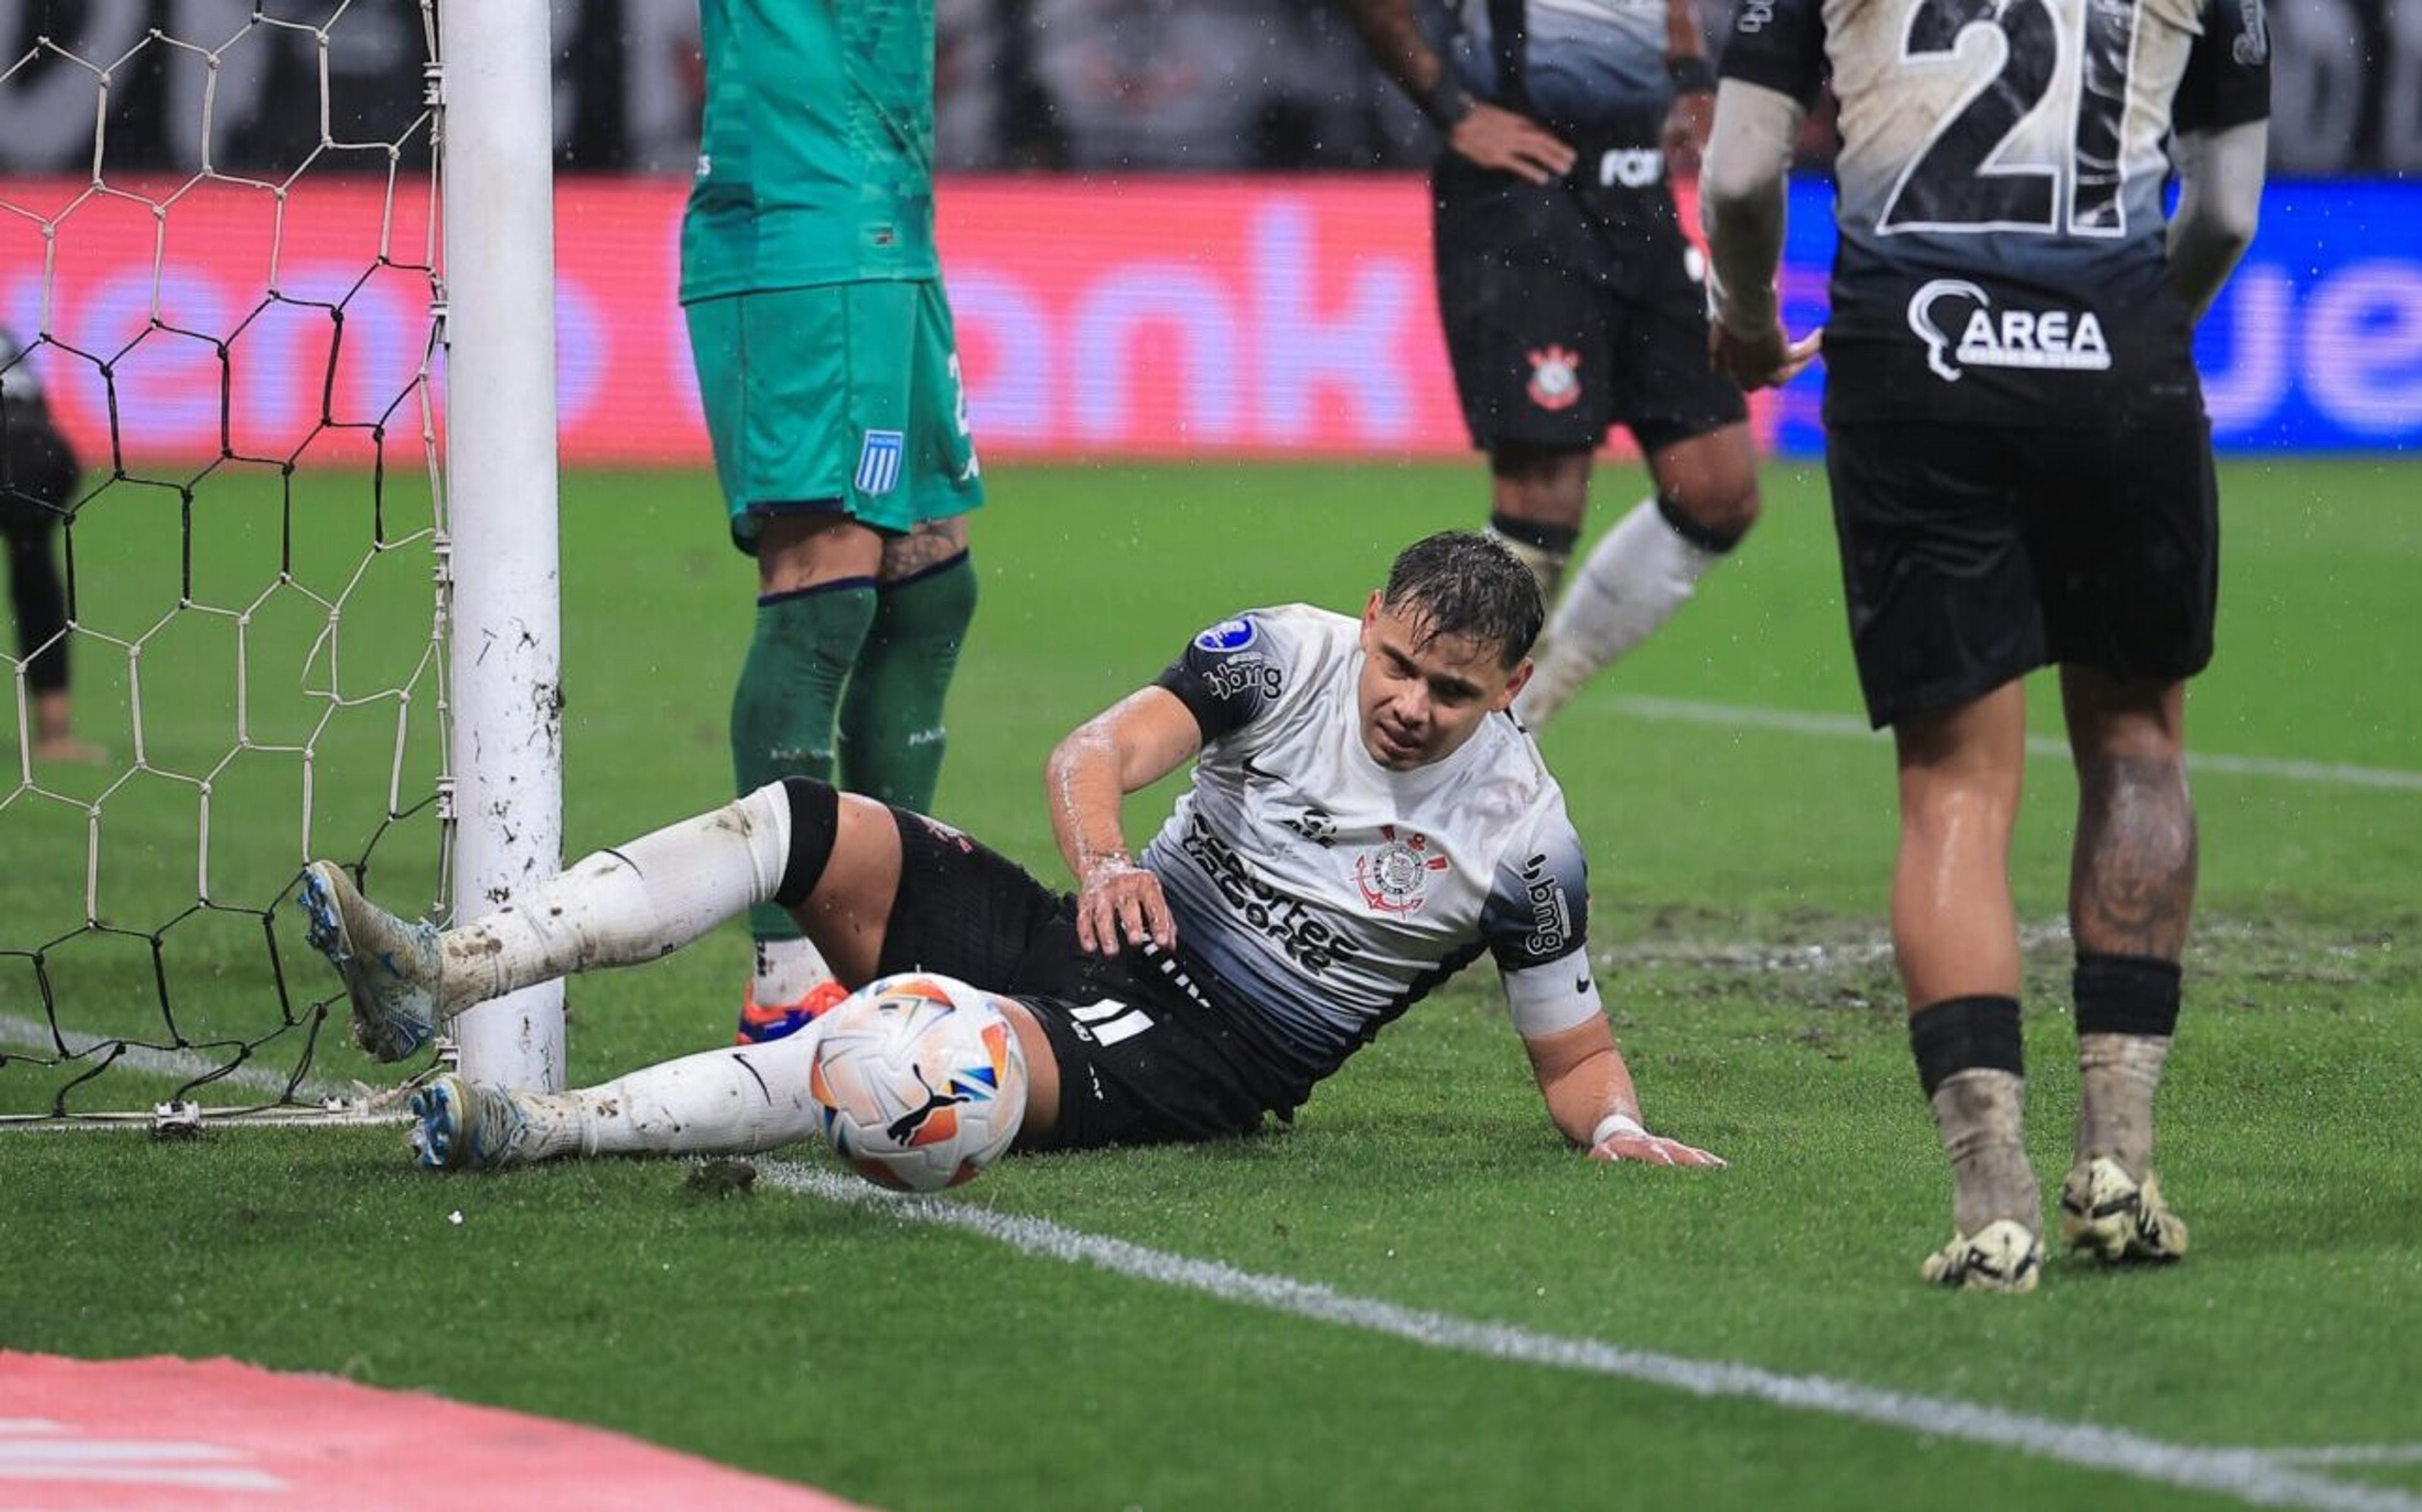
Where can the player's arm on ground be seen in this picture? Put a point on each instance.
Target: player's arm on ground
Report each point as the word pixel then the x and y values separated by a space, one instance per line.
pixel 1693 111
pixel 1488 135
pixel 1771 74
pixel 2222 114
pixel 1536 923
pixel 1590 1096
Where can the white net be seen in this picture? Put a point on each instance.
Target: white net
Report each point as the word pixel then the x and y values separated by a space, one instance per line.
pixel 226 316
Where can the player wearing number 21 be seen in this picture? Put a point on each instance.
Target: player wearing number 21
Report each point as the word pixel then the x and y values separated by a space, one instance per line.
pixel 2021 475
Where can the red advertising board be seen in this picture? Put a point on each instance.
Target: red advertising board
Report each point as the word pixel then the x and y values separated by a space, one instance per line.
pixel 1247 317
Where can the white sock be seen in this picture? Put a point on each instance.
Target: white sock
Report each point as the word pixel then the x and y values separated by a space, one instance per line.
pixel 1546 565
pixel 1634 580
pixel 2118 1076
pixel 1982 1116
pixel 735 1101
pixel 618 907
pixel 788 970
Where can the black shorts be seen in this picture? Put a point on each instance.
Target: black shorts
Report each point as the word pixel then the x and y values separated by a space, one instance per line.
pixel 1568 309
pixel 1146 1056
pixel 1973 554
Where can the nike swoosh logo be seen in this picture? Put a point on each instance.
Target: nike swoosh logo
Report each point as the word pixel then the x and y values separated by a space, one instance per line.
pixel 1253 771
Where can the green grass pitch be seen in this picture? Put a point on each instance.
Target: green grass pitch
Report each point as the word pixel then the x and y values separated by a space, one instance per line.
pixel 1740 868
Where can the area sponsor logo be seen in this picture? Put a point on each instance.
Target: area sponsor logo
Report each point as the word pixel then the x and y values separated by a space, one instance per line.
pixel 2043 340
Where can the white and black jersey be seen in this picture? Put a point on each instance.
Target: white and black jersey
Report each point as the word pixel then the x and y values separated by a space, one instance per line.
pixel 1324 892
pixel 1592 68
pixel 2000 192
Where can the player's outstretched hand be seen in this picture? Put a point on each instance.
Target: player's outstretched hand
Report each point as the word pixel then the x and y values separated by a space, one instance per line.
pixel 1120 901
pixel 1511 143
pixel 1644 1148
pixel 1769 360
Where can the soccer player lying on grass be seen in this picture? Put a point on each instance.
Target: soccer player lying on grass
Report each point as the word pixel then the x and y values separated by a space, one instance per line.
pixel 1365 819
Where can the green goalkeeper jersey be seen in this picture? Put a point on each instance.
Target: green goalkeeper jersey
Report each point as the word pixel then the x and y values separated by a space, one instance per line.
pixel 816 155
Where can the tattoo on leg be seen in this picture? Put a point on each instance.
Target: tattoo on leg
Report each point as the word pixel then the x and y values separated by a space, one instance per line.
pixel 933 543
pixel 2132 875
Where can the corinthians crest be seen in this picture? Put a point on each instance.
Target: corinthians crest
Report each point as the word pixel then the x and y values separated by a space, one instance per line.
pixel 1392 874
pixel 1554 382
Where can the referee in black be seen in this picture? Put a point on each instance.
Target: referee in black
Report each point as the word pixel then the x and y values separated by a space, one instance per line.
pixel 1572 301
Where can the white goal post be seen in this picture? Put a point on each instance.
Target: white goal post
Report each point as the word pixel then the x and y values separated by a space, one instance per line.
pixel 496 169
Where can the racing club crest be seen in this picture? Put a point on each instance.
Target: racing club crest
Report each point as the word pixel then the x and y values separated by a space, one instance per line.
pixel 1555 382
pixel 1391 877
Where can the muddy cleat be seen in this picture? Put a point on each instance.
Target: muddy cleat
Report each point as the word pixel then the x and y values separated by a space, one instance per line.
pixel 760 1024
pixel 2001 1257
pixel 390 967
pixel 2109 1214
pixel 467 1126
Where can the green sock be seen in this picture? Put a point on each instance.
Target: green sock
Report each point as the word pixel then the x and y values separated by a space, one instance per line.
pixel 782 712
pixel 892 737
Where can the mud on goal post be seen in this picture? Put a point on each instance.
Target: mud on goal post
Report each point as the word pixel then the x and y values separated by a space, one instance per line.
pixel 285 290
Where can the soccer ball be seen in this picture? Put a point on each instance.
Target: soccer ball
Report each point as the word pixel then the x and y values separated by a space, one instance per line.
pixel 921 1081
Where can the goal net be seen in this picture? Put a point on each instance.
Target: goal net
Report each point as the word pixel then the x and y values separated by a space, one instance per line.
pixel 228 307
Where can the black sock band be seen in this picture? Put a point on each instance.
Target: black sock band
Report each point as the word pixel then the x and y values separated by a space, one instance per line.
pixel 1965 1034
pixel 815 822
pixel 1534 533
pixel 1707 539
pixel 2126 995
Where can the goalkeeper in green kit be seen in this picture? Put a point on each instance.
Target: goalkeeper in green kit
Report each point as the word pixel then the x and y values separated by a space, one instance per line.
pixel 829 374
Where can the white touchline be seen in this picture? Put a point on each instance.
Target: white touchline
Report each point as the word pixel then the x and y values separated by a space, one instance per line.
pixel 2251 1475
pixel 1844 726
pixel 2351 1453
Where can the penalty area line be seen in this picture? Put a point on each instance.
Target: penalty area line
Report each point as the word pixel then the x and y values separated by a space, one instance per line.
pixel 2044 747
pixel 2251 1475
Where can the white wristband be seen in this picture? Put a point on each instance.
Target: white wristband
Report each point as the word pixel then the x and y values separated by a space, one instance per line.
pixel 1611 1124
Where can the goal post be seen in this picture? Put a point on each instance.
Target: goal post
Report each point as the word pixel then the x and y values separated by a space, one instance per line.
pixel 496 178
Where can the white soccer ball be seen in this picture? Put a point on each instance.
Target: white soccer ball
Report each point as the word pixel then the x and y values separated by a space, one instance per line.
pixel 921 1081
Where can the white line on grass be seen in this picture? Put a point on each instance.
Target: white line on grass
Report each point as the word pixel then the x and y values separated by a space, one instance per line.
pixel 1844 726
pixel 182 1065
pixel 2351 1453
pixel 2251 1475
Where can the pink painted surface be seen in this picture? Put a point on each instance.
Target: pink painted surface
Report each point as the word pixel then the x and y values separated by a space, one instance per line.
pixel 212 1435
pixel 1139 318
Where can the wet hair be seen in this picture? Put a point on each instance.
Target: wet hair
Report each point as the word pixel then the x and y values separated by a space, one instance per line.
pixel 1459 582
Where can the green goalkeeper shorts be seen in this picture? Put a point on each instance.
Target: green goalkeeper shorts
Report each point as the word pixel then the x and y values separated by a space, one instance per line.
pixel 837 397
